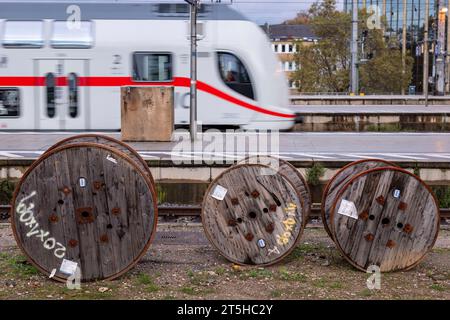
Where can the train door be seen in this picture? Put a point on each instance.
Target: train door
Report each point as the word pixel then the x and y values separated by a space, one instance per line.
pixel 61 99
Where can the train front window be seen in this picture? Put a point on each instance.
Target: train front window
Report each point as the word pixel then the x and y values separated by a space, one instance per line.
pixel 72 83
pixel 50 84
pixel 235 75
pixel 152 67
pixel 23 34
pixel 9 102
pixel 75 35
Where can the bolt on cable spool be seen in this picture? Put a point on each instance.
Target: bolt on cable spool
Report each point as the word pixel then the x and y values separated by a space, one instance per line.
pixel 109 141
pixel 386 217
pixel 340 179
pixel 253 214
pixel 290 172
pixel 84 208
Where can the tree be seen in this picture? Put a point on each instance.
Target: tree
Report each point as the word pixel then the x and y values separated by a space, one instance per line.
pixel 324 66
pixel 301 18
pixel 383 74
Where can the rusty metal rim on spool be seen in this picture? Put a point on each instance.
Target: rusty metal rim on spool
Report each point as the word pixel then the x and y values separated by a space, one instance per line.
pixel 111 139
pixel 341 191
pixel 306 213
pixel 294 244
pixel 325 222
pixel 76 145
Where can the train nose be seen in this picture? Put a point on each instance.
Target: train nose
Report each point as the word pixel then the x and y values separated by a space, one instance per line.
pixel 299 118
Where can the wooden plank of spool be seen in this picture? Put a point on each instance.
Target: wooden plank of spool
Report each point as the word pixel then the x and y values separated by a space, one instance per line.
pixel 253 214
pixel 88 204
pixel 386 217
pixel 109 141
pixel 291 173
pixel 340 179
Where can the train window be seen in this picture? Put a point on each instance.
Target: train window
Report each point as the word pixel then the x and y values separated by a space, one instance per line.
pixel 50 83
pixel 72 83
pixel 150 67
pixel 76 35
pixel 23 34
pixel 235 75
pixel 9 102
pixel 177 9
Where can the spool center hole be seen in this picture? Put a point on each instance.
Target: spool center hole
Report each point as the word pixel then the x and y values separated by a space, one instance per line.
pixel 265 210
pixel 239 220
pixel 371 217
pixel 252 215
pixel 85 214
pixel 400 225
pixel 385 221
pixel 60 201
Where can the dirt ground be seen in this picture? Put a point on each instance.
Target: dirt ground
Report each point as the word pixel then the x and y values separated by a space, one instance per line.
pixel 195 270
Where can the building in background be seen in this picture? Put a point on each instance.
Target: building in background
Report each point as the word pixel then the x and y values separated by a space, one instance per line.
pixel 393 10
pixel 415 17
pixel 284 38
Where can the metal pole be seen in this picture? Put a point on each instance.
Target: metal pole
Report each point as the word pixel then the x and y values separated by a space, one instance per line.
pixel 440 61
pixel 447 58
pixel 426 71
pixel 404 45
pixel 354 48
pixel 193 93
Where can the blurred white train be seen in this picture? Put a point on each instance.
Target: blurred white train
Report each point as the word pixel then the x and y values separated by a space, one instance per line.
pixel 60 73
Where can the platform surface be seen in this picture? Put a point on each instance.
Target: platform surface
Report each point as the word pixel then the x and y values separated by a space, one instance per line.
pixel 421 147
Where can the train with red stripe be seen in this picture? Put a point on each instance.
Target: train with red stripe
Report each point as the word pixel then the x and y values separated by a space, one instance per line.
pixel 62 65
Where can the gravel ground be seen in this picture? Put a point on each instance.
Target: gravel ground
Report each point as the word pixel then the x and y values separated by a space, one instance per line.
pixel 194 270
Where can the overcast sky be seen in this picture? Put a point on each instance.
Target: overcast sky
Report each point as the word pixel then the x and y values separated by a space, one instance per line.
pixel 260 11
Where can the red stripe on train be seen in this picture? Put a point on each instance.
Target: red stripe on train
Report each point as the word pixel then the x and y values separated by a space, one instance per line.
pixel 128 81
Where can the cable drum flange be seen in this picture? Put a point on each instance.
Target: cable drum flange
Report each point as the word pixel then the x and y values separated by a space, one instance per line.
pixel 84 205
pixel 385 217
pixel 340 179
pixel 253 214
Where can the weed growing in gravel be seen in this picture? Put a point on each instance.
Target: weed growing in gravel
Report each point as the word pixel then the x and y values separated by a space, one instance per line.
pixel 275 293
pixel 314 174
pixel 286 275
pixel 21 267
pixel 438 287
pixel 148 282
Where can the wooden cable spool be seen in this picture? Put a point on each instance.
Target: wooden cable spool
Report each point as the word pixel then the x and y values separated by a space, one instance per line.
pixel 86 204
pixel 385 217
pixel 109 141
pixel 341 178
pixel 290 172
pixel 253 214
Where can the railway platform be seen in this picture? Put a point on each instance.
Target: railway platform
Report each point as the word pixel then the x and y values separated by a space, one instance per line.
pixel 215 151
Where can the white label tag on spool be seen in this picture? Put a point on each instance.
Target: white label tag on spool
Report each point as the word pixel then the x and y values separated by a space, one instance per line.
pixel 109 158
pixel 219 193
pixel 348 208
pixel 82 182
pixel 68 267
pixel 52 274
pixel 396 193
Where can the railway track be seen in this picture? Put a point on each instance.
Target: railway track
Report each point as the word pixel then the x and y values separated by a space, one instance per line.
pixel 195 211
